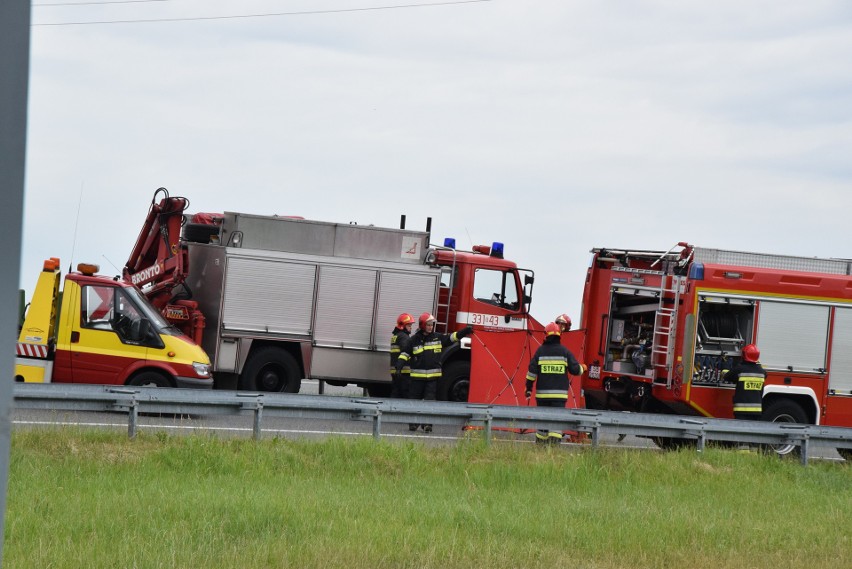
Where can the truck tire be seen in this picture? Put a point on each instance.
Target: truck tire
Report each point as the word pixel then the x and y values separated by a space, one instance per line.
pixel 455 382
pixel 150 379
pixel 199 232
pixel 673 443
pixel 271 369
pixel 784 411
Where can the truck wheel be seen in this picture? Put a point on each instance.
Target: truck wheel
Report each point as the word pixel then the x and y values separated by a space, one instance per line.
pixel 199 232
pixel 271 369
pixel 455 382
pixel 150 379
pixel 673 443
pixel 784 411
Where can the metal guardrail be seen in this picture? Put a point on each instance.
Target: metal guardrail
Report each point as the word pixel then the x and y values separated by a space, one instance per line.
pixel 132 400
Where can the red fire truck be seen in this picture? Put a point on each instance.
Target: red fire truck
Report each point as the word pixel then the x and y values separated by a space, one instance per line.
pixel 275 299
pixel 660 326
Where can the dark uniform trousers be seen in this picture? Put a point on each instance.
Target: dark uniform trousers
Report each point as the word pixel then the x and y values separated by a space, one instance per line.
pixel 749 378
pixel 399 381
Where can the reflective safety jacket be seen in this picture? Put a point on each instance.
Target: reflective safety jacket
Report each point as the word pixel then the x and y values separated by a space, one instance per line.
pixel 549 369
pixel 748 394
pixel 398 339
pixel 423 353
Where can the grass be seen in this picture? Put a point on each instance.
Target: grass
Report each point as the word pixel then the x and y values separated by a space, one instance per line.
pixel 97 499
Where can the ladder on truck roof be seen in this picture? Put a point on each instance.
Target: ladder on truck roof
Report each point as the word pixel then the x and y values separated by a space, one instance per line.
pixel 442 323
pixel 665 325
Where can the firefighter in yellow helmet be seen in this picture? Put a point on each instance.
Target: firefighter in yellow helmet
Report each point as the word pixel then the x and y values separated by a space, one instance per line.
pixel 423 353
pixel 399 336
pixel 548 373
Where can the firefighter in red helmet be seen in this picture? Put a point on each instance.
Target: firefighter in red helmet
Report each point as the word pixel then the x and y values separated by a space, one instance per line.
pixel 748 376
pixel 399 336
pixel 548 372
pixel 423 353
pixel 564 322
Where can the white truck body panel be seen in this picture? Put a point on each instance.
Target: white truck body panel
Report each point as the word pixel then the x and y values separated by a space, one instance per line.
pixel 339 300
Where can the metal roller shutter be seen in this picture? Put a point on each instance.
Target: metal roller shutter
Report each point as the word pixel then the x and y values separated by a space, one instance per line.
pixel 345 302
pixel 841 352
pixel 402 292
pixel 256 298
pixel 792 335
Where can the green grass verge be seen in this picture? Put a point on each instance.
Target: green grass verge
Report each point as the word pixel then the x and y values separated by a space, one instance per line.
pixel 94 499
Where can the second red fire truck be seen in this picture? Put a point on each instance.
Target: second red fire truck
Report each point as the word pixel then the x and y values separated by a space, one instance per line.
pixel 659 328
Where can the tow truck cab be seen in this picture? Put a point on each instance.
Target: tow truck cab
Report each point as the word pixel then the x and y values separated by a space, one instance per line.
pixel 102 331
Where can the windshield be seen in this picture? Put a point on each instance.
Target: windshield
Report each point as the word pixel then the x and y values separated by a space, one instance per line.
pixel 125 312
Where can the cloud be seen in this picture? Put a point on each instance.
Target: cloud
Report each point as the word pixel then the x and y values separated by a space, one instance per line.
pixel 554 126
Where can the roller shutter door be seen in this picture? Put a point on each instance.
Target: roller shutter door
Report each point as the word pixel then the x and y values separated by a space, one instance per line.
pixel 402 292
pixel 840 379
pixel 266 296
pixel 345 302
pixel 792 336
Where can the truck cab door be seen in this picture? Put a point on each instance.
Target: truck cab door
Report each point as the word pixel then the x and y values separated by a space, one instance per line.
pixel 498 361
pixel 108 336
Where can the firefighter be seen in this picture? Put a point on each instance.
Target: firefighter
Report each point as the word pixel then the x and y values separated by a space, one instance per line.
pixel 548 372
pixel 749 377
pixel 564 322
pixel 423 353
pixel 399 336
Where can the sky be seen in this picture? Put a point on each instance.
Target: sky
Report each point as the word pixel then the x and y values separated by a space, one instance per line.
pixel 553 126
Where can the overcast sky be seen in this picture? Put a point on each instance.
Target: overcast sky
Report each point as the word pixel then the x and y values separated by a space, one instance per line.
pixel 554 126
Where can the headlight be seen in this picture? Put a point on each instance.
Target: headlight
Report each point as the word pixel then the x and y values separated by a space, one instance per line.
pixel 202 370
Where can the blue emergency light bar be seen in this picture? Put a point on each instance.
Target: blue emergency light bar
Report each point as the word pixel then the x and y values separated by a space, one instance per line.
pixel 696 271
pixel 496 249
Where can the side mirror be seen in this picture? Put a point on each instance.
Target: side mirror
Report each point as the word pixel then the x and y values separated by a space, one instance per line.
pixel 528 279
pixel 144 329
pixel 148 335
pixel 137 330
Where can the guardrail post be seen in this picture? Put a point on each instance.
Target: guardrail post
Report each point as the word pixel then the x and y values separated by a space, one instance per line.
pixel 258 415
pixel 702 440
pixel 257 407
pixel 132 417
pixel 804 450
pixel 132 408
pixel 377 424
pixel 488 418
pixel 596 435
pixel 699 444
pixel 372 410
